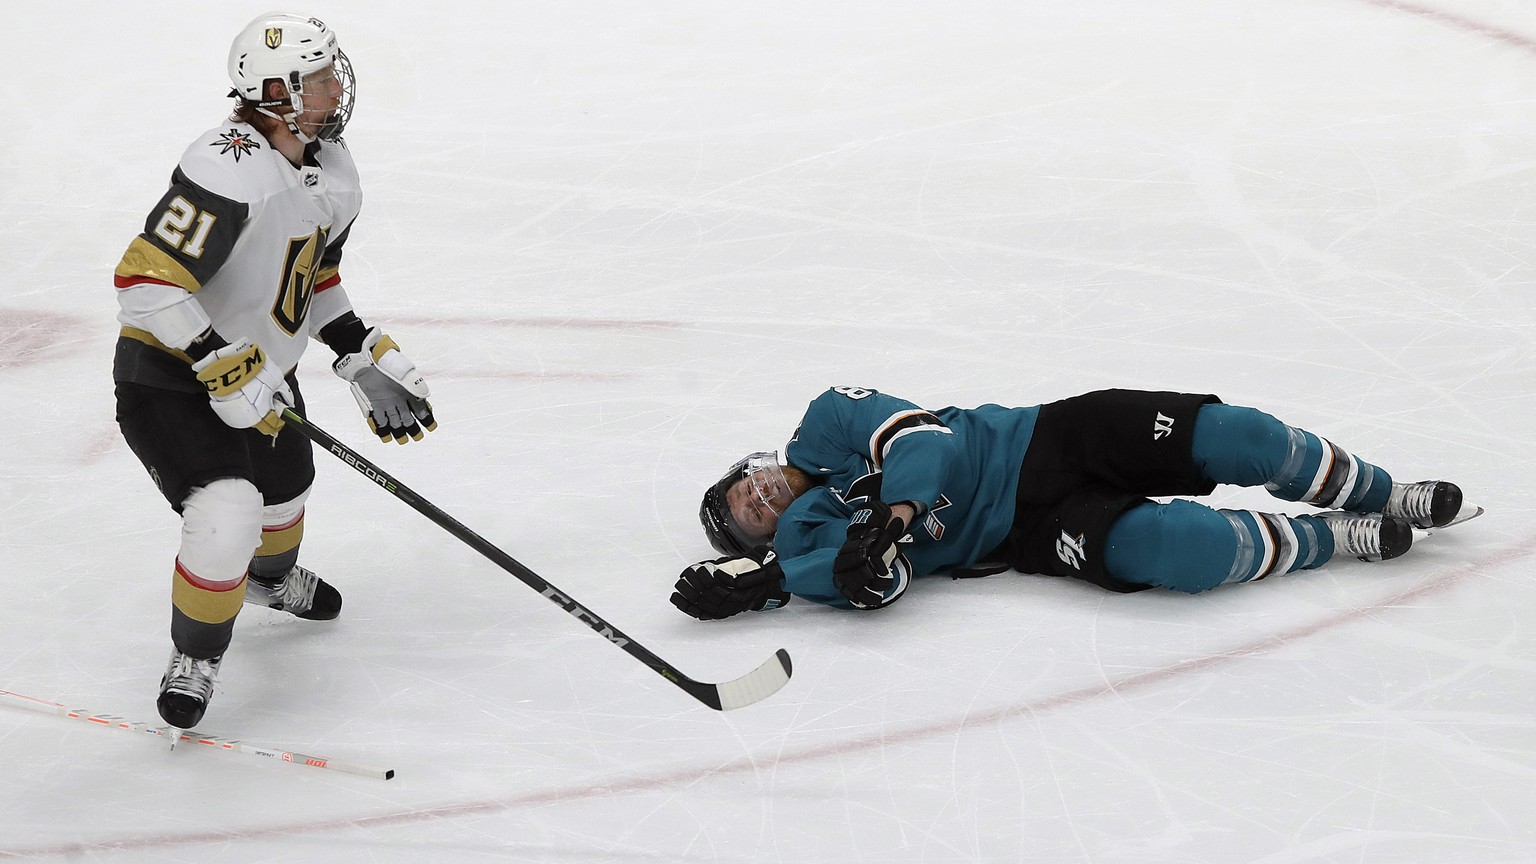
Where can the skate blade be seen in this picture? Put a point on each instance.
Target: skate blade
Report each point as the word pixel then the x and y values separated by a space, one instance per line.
pixel 1467 514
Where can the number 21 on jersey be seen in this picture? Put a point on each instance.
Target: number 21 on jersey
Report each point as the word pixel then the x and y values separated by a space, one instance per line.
pixel 174 222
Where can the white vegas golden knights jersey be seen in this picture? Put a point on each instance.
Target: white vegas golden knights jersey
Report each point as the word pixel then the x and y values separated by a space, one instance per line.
pixel 243 240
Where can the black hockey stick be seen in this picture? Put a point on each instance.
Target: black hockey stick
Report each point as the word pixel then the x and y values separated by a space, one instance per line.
pixel 754 686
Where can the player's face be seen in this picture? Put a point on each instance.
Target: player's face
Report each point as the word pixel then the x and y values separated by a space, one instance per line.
pixel 322 96
pixel 752 510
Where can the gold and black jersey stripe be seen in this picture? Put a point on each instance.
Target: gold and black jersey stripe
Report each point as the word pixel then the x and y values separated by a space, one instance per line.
pixel 186 239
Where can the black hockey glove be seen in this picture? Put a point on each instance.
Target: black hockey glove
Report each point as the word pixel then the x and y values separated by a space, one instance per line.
pixel 862 569
pixel 721 588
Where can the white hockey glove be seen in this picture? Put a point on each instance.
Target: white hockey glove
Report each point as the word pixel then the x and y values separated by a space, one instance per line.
pixel 388 389
pixel 241 387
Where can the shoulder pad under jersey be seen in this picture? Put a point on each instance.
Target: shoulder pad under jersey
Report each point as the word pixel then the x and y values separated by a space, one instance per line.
pixel 233 161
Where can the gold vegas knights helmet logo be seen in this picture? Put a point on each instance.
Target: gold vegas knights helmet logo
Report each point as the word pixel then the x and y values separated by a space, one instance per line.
pixel 274 37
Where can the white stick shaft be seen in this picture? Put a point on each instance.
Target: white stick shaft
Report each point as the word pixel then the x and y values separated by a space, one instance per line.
pixel 218 742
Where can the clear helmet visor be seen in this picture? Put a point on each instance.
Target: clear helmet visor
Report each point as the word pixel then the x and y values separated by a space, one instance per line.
pixel 765 481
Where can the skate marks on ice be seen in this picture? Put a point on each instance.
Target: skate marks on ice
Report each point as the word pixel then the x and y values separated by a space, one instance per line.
pixel 874 741
pixel 32 336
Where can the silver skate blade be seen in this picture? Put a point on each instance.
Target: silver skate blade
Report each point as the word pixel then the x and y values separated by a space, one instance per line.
pixel 1468 513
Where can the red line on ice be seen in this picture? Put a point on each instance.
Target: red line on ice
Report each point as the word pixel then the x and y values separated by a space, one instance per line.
pixel 1496 33
pixel 751 764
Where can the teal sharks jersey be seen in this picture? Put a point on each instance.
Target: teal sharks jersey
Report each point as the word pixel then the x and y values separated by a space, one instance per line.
pixel 959 467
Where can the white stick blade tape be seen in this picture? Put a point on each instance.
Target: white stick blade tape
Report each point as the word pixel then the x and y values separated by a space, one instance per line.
pixel 757 685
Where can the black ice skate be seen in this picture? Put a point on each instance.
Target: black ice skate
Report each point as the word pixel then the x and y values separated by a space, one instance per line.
pixel 300 593
pixel 1429 504
pixel 1368 536
pixel 186 688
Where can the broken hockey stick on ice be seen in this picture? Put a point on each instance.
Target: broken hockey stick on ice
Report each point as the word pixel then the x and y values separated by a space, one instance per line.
pixel 754 686
pixel 222 744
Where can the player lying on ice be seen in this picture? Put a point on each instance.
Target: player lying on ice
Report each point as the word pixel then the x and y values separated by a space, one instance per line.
pixel 878 491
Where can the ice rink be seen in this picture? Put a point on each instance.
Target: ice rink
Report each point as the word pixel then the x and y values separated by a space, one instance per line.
pixel 627 242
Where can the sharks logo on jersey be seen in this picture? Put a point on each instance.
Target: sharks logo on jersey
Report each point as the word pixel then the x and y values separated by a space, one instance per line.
pixel 861 443
pixel 863 489
pixel 931 522
pixel 868 487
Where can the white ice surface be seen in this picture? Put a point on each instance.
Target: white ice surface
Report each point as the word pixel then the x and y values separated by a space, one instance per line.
pixel 626 242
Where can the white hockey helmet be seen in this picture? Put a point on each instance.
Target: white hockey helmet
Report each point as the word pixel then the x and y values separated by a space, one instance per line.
pixel 288 47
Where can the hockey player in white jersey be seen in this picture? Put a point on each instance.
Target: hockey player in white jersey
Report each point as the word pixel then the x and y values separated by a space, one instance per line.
pixel 236 270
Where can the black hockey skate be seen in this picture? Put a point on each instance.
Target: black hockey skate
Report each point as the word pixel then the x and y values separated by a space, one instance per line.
pixel 1368 536
pixel 186 688
pixel 1428 504
pixel 299 593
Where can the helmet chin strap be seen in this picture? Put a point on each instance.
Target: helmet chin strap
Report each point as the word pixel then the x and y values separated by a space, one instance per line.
pixel 289 121
pixel 295 100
